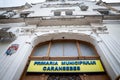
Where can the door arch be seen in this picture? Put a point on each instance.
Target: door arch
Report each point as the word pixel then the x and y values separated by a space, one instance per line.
pixel 50 40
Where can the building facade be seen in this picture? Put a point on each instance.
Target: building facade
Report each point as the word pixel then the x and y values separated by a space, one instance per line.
pixel 61 40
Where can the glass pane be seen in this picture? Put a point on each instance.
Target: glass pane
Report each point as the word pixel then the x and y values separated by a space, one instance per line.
pixel 87 50
pixel 70 49
pixel 56 49
pixel 41 51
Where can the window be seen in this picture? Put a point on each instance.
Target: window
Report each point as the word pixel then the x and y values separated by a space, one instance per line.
pixel 41 50
pixel 57 13
pixel 69 12
pixel 70 49
pixel 65 49
pixel 56 49
pixel 86 50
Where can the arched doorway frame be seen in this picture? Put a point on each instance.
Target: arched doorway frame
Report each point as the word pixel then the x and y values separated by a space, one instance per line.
pixel 89 38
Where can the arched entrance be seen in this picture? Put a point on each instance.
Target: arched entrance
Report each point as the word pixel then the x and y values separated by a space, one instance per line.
pixel 64 59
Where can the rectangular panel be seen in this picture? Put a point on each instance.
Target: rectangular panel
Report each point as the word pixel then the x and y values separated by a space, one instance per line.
pixel 70 49
pixel 41 51
pixel 66 66
pixel 56 49
pixel 87 50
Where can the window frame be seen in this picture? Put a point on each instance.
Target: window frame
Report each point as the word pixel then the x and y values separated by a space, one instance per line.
pixel 77 42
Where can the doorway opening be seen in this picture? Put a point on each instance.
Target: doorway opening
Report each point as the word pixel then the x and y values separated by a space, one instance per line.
pixel 47 57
